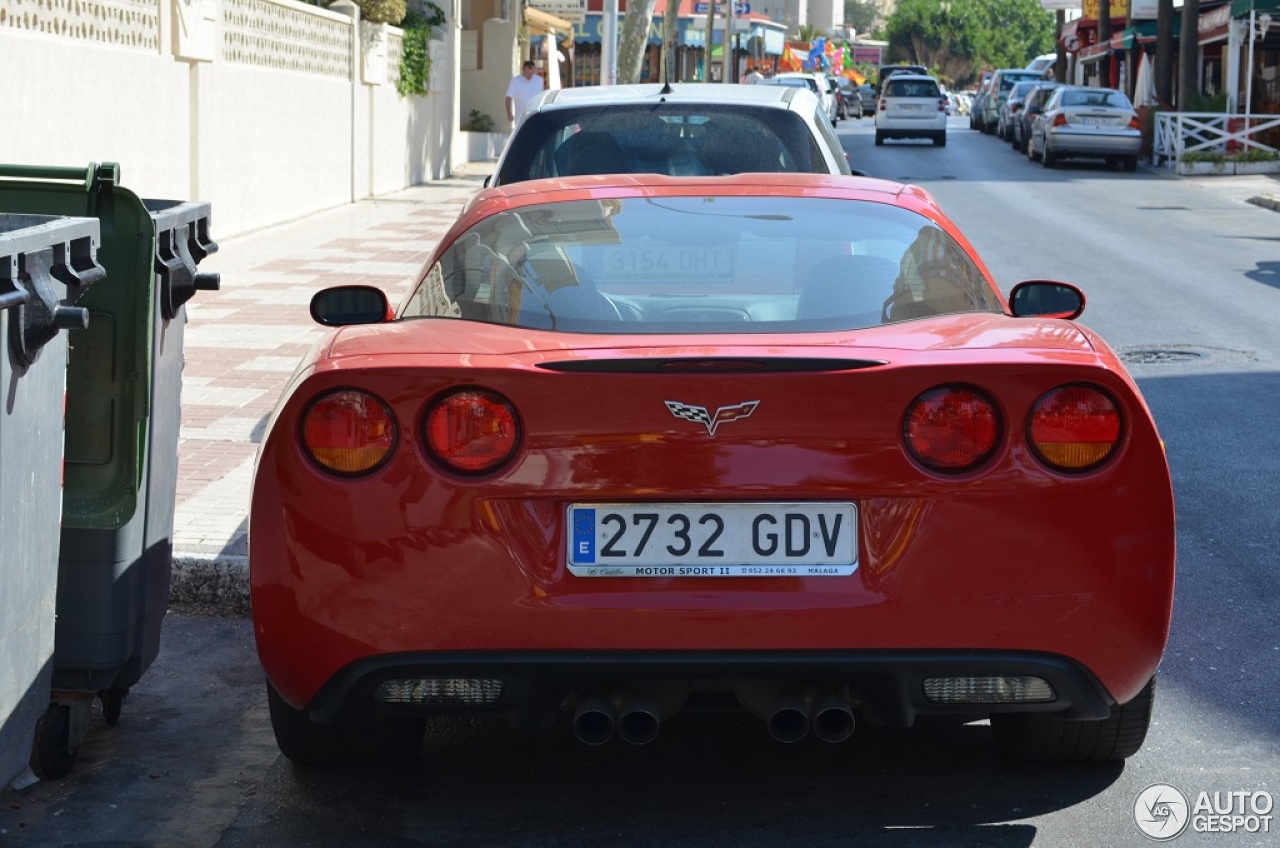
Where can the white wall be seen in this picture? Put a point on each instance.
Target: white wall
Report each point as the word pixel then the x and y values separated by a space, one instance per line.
pixel 267 109
pixel 492 60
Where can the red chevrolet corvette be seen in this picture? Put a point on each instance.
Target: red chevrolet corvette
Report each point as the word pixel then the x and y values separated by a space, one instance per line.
pixel 636 444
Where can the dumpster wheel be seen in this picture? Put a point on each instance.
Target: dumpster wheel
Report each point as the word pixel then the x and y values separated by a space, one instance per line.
pixel 112 700
pixel 52 752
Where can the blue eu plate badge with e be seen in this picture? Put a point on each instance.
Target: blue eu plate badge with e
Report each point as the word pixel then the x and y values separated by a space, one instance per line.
pixel 584 536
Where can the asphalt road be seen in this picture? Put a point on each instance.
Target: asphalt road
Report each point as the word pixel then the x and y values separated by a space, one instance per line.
pixel 1183 279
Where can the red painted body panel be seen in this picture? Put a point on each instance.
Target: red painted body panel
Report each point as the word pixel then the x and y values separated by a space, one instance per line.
pixel 413 559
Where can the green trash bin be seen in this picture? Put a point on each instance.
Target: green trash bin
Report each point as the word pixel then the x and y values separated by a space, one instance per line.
pixel 46 264
pixel 124 381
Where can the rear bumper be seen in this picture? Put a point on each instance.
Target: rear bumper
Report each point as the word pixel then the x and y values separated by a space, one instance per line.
pixel 1067 143
pixel 911 126
pixel 886 687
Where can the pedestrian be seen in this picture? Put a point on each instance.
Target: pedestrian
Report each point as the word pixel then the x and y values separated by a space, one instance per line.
pixel 753 76
pixel 523 87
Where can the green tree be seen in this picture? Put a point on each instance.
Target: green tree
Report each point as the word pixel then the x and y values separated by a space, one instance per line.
pixel 958 39
pixel 861 15
pixel 633 40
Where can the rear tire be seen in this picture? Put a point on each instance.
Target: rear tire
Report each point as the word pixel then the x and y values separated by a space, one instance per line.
pixel 1047 738
pixel 879 138
pixel 940 140
pixel 1130 163
pixel 1048 158
pixel 309 743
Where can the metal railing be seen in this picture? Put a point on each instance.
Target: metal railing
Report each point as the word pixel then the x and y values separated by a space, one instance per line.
pixel 1177 133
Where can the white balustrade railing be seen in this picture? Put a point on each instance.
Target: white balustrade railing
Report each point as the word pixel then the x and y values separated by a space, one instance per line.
pixel 1177 133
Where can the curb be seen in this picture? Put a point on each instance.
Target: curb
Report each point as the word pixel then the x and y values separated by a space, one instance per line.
pixel 217 585
pixel 1266 201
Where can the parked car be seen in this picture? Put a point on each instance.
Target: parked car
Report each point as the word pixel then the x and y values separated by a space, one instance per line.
pixel 1002 82
pixel 687 129
pixel 867 92
pixel 1032 104
pixel 851 98
pixel 1080 122
pixel 833 87
pixel 815 82
pixel 1010 108
pixel 632 445
pixel 911 106
pixel 979 100
pixel 1043 62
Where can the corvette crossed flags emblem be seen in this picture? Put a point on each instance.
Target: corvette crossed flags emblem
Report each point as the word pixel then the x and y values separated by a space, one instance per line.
pixel 723 415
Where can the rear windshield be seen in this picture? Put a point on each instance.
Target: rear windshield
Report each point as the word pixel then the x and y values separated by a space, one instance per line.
pixel 674 139
pixel 1007 80
pixel 1022 89
pixel 912 88
pixel 702 264
pixel 1096 97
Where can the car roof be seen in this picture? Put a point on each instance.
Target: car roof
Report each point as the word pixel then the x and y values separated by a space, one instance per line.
pixel 691 92
pixel 901 76
pixel 789 183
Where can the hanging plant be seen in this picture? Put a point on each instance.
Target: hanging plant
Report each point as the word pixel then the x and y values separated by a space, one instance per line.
pixel 415 57
pixel 381 11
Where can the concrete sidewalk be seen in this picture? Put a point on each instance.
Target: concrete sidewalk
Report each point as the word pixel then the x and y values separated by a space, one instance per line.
pixel 244 341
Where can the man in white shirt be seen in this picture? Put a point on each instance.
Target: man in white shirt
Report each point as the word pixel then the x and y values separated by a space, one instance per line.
pixel 524 86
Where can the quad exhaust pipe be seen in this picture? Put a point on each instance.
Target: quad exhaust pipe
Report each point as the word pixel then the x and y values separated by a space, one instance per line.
pixel 635 720
pixel 594 721
pixel 830 718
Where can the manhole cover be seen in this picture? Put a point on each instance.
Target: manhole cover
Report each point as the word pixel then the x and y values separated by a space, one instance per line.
pixel 1159 355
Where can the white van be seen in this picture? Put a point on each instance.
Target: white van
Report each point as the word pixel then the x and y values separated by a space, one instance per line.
pixel 1043 62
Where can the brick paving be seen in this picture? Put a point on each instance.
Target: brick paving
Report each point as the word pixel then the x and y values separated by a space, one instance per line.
pixel 243 341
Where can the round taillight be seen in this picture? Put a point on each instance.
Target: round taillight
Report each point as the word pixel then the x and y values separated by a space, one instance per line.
pixel 1074 428
pixel 472 431
pixel 348 432
pixel 952 429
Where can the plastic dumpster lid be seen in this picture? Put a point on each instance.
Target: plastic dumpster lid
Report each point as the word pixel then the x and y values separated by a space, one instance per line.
pixel 35 249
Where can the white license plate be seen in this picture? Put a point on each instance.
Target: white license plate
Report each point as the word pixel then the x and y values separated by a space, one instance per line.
pixel 1090 121
pixel 713 540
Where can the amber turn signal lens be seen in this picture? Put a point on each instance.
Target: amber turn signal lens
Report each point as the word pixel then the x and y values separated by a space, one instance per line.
pixel 473 431
pixel 952 428
pixel 348 432
pixel 1074 428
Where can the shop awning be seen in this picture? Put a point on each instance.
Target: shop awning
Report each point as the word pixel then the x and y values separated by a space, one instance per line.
pixel 1143 32
pixel 1241 8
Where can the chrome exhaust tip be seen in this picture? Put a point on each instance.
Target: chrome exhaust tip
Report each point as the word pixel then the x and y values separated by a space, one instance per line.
pixel 832 719
pixel 638 721
pixel 789 721
pixel 593 721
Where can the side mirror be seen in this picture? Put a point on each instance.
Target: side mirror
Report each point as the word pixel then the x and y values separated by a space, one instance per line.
pixel 340 306
pixel 1046 299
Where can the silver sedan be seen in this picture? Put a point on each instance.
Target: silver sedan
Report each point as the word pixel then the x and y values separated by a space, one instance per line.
pixel 1087 123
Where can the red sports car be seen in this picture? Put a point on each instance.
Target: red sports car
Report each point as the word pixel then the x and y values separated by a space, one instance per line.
pixel 636 444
